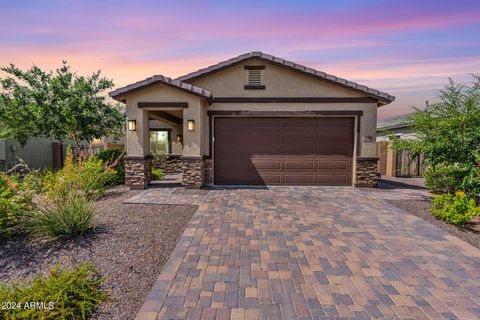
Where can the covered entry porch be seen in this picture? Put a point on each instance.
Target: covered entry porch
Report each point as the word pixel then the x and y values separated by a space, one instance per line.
pixel 164 116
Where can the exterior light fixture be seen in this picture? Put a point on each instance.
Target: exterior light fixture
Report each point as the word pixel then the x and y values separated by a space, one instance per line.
pixel 179 138
pixel 191 125
pixel 132 125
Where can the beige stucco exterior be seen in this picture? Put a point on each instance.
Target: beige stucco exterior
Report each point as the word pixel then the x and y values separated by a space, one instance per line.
pixel 137 141
pixel 282 82
pixel 230 82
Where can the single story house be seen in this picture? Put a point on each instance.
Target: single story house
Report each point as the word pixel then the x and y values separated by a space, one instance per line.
pixel 255 119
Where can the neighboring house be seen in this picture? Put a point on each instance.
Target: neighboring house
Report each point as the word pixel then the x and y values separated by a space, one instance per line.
pixel 401 163
pixel 253 120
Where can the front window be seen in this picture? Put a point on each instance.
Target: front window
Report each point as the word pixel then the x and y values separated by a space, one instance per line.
pixel 160 141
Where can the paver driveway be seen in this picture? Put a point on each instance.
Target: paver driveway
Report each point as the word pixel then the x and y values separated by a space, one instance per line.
pixel 310 253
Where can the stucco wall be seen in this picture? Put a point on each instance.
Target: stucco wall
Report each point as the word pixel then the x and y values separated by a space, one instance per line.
pixel 37 153
pixel 138 141
pixel 278 81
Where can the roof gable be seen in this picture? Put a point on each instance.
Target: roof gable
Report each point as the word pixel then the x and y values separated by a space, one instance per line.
pixel 117 94
pixel 383 97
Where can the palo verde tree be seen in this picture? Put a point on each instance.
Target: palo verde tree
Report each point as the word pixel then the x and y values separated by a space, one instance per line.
pixel 60 105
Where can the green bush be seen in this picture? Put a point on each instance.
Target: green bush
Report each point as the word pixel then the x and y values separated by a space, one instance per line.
pixel 445 178
pixel 66 294
pixel 114 158
pixel 456 208
pixel 14 201
pixel 157 174
pixel 64 215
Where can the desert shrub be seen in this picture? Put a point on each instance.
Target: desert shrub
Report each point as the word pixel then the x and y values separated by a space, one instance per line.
pixel 14 201
pixel 114 158
pixel 157 174
pixel 87 174
pixel 445 178
pixel 71 293
pixel 66 214
pixel 456 208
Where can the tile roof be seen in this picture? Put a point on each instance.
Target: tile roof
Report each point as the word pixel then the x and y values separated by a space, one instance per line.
pixel 401 121
pixel 162 79
pixel 382 96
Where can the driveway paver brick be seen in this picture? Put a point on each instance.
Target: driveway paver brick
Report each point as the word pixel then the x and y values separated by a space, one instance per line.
pixel 310 253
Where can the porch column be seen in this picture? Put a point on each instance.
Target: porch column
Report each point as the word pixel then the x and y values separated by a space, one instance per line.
pixel 137 160
pixel 193 165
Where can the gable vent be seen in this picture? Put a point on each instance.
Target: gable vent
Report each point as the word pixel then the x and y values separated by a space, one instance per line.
pixel 254 77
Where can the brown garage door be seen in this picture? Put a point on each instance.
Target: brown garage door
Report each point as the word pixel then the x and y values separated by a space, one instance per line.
pixel 286 151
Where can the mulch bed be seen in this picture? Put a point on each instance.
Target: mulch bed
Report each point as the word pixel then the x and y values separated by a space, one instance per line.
pixel 129 247
pixel 420 208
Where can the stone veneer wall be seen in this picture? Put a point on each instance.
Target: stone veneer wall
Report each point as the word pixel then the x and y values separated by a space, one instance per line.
pixel 366 172
pixel 173 164
pixel 193 172
pixel 208 171
pixel 137 172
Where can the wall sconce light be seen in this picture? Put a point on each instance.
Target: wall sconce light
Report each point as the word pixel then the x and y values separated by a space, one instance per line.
pixel 179 138
pixel 132 125
pixel 191 125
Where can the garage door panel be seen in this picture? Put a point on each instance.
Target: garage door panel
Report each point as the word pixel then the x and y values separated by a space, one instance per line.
pixel 265 122
pixel 301 178
pixel 299 165
pixel 226 123
pixel 329 148
pixel 334 122
pixel 270 178
pixel 258 150
pixel 300 149
pixel 225 149
pixel 231 135
pixel 289 151
pixel 238 178
pixel 332 179
pixel 300 122
pixel 267 164
pixel 295 135
pixel 333 165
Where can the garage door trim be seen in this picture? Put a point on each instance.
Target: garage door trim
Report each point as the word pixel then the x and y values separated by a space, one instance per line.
pixel 292 114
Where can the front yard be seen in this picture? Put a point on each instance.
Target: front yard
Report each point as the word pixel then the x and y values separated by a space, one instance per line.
pixel 129 246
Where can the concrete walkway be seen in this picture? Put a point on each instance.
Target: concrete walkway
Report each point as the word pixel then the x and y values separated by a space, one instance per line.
pixel 311 253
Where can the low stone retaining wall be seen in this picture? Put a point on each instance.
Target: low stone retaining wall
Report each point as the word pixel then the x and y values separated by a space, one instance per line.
pixel 173 164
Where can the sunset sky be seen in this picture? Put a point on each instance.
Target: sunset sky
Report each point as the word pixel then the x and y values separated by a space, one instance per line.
pixel 406 48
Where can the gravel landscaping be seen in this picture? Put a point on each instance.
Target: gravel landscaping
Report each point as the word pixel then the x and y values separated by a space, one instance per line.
pixel 419 208
pixel 129 246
